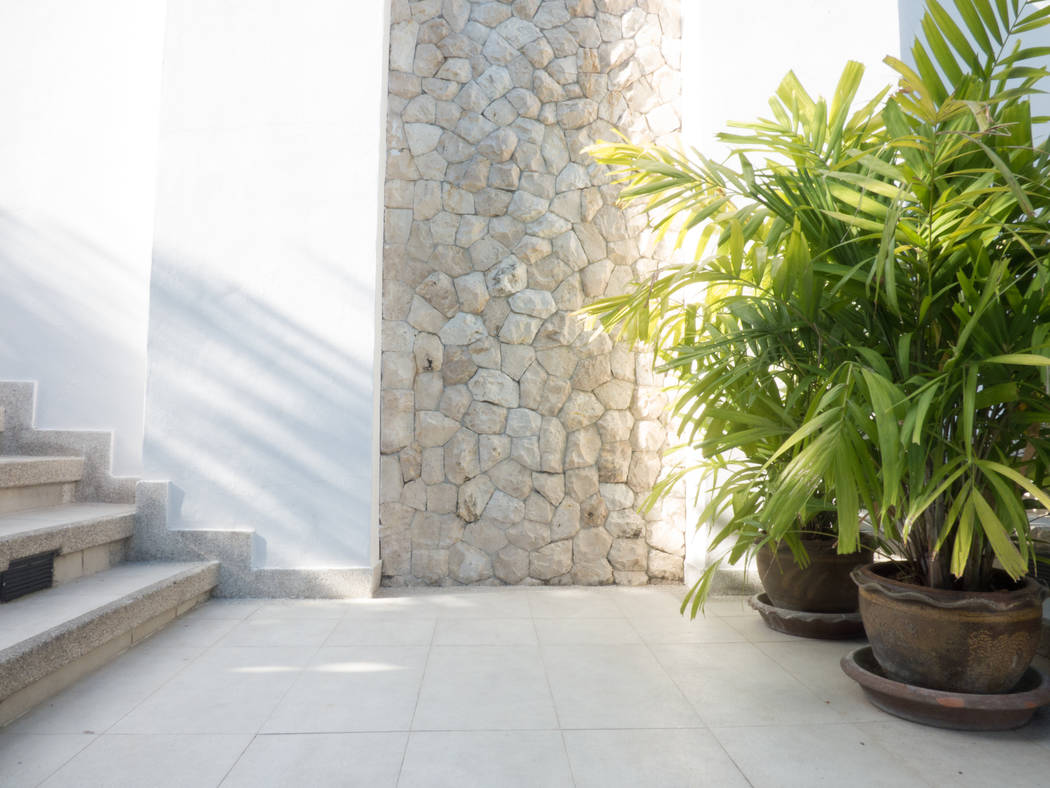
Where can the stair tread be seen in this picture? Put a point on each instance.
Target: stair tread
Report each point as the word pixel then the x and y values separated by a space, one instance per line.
pixel 43 612
pixel 24 471
pixel 57 517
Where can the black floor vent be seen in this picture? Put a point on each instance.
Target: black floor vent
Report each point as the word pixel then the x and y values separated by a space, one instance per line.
pixel 26 575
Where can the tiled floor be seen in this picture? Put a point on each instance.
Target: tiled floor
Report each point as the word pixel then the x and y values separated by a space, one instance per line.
pixel 491 687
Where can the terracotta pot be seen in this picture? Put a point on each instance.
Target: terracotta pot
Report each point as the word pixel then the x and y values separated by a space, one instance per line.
pixel 959 641
pixel 822 587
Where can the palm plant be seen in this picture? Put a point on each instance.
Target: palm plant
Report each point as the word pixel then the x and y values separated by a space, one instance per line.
pixel 869 335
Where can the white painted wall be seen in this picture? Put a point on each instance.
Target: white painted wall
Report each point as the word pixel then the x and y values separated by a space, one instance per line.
pixel 260 399
pixel 79 102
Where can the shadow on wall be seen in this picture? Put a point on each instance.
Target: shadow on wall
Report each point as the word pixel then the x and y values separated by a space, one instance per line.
pixel 73 318
pixel 260 422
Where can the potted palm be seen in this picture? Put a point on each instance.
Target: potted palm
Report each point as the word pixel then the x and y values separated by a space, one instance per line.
pixel 752 335
pixel 910 241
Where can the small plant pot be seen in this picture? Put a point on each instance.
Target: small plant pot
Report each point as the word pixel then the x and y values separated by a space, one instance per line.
pixel 957 641
pixel 824 586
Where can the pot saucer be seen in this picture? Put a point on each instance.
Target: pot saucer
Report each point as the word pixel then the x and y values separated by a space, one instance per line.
pixel 825 626
pixel 958 710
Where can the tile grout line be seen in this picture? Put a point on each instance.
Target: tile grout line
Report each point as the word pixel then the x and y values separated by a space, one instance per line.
pixel 550 692
pixel 699 716
pixel 419 693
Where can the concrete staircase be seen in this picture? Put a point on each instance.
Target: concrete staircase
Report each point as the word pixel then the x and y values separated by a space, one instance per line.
pixel 60 506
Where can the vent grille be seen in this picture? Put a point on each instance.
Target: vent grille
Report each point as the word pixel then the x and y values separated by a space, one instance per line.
pixel 26 575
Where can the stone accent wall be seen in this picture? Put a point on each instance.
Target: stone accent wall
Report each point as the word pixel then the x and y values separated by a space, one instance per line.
pixel 515 445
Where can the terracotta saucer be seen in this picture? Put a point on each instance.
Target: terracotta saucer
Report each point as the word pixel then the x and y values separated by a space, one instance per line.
pixel 959 710
pixel 826 626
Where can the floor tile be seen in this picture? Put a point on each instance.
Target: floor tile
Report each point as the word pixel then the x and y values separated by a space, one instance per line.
pixel 681 629
pixel 565 603
pixel 580 631
pixel 301 608
pixel 728 607
pixel 816 664
pixel 192 631
pixel 381 631
pixel 754 629
pixel 98 701
pixel 27 759
pixel 485 632
pixel 648 602
pixel 226 690
pixel 508 759
pixel 157 761
pixel 259 630
pixel 227 608
pixel 484 688
pixel 962 758
pixel 736 684
pixel 320 760
pixel 665 758
pixel 785 756
pixel 614 687
pixel 352 688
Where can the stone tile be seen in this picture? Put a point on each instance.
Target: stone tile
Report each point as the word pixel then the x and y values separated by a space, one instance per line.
pixel 783 756
pixel 582 631
pixel 487 603
pixel 572 603
pixel 816 664
pixel 301 608
pixel 28 759
pixel 736 684
pixel 621 686
pixel 755 630
pixel 319 760
pixel 648 602
pixel 97 702
pixel 382 631
pixel 485 632
pixel 159 760
pixel 228 608
pixel 631 758
pixel 259 630
pixel 961 758
pixel 728 607
pixel 681 629
pixel 484 688
pixel 226 690
pixel 192 631
pixel 356 688
pixel 507 759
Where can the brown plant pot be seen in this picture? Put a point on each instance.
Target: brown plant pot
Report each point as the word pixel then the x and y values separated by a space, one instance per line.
pixel 958 641
pixel 824 586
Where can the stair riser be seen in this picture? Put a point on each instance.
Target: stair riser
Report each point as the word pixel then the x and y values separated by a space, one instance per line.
pixel 18 499
pixel 89 561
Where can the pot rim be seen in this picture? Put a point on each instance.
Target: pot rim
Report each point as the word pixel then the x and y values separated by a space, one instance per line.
pixel 1031 593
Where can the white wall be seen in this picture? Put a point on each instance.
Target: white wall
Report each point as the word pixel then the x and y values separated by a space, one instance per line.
pixel 79 99
pixel 260 400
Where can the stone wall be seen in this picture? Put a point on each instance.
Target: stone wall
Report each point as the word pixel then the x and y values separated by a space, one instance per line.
pixel 515 444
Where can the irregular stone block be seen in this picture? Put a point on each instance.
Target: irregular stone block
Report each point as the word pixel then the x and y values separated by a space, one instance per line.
pixel 511 564
pixel 490 385
pixel 529 535
pixel 551 561
pixel 550 485
pixel 468 564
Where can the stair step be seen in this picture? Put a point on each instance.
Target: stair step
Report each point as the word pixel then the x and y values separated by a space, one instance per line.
pixel 50 639
pixel 89 537
pixel 35 482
